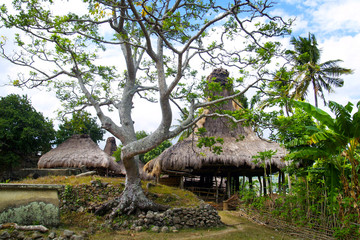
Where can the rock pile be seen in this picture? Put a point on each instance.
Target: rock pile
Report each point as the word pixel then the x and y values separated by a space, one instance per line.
pixel 174 219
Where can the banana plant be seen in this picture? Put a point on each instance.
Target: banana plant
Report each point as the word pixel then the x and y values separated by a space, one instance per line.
pixel 336 141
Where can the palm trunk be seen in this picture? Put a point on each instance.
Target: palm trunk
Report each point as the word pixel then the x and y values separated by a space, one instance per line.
pixel 315 93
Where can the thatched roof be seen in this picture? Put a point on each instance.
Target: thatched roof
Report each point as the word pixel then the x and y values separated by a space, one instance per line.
pixel 185 156
pixel 239 147
pixel 79 151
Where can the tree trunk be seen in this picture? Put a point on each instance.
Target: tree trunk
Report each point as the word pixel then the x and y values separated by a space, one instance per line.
pixel 132 198
pixel 315 93
pixel 260 189
pixel 270 185
pixel 279 183
pixel 264 184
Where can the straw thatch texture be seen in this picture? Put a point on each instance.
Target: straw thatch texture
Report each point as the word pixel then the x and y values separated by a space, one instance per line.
pixel 236 155
pixel 240 145
pixel 79 151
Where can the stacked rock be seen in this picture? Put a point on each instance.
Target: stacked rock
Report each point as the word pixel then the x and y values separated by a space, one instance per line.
pixel 177 218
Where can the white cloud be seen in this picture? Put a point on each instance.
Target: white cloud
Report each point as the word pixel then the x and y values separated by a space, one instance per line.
pixel 338 15
pixel 347 49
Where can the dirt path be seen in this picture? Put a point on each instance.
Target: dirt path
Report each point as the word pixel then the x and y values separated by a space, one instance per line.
pixel 215 235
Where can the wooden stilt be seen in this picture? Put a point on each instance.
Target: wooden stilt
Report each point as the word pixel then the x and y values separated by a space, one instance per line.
pixel 237 185
pixel 221 183
pixel 283 183
pixel 228 185
pixel 182 182
pixel 243 182
pixel 250 182
pixel 216 190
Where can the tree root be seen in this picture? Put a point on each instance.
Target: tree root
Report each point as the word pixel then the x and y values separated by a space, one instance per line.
pixel 132 200
pixel 107 207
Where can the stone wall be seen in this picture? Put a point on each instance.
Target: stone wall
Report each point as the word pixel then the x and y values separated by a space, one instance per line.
pixel 204 216
pixel 86 198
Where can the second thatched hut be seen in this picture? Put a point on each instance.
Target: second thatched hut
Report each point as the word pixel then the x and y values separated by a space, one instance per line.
pixel 81 151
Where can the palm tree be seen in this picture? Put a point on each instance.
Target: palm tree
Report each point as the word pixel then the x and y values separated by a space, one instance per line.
pixel 309 70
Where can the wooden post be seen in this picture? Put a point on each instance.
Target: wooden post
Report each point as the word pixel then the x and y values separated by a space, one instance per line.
pixel 182 182
pixel 232 185
pixel 221 182
pixel 250 182
pixel 283 183
pixel 216 190
pixel 228 185
pixel 202 180
pixel 243 183
pixel 237 184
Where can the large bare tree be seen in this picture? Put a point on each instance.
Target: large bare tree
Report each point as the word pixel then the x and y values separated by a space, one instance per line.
pixel 156 42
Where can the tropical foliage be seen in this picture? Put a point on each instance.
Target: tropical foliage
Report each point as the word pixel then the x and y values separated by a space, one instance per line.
pixel 323 168
pixel 335 143
pixel 23 131
pixel 80 123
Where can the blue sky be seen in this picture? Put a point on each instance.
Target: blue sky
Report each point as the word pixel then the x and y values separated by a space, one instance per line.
pixel 336 25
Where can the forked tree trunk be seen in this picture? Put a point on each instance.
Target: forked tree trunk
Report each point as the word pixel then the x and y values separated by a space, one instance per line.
pixel 133 198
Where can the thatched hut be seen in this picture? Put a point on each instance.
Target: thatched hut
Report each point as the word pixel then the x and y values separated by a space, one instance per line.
pixel 240 144
pixel 81 151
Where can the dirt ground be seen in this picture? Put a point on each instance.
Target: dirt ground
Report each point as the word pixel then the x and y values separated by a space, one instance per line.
pixel 236 227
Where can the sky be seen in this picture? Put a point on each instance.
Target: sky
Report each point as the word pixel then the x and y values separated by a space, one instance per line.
pixel 336 25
